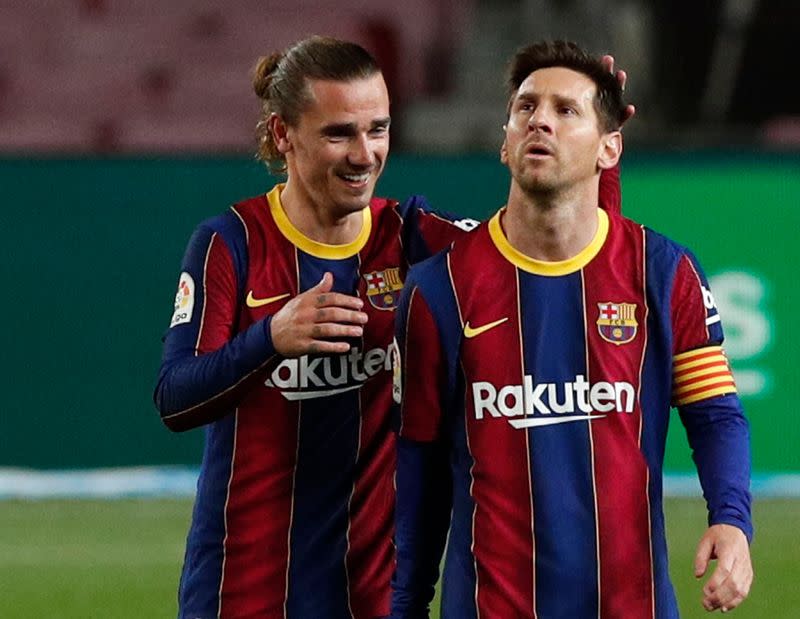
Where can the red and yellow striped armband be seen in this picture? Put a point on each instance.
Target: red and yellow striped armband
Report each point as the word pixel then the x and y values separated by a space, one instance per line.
pixel 700 374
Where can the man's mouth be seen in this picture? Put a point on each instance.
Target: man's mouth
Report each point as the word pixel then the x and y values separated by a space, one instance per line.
pixel 539 150
pixel 355 179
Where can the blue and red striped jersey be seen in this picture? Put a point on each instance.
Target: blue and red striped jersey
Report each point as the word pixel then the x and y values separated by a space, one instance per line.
pixel 294 508
pixel 549 386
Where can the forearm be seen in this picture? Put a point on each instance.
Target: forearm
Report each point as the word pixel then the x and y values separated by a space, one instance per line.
pixel 719 437
pixel 193 390
pixel 424 499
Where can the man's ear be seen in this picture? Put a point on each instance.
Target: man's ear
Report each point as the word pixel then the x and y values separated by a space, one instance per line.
pixel 279 131
pixel 610 150
pixel 504 150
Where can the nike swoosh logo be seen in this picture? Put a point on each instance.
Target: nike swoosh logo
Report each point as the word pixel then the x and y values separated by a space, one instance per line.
pixel 472 332
pixel 253 302
pixel 532 422
pixel 293 396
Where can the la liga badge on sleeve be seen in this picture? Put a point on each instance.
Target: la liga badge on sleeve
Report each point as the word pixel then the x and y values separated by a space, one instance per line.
pixel 184 300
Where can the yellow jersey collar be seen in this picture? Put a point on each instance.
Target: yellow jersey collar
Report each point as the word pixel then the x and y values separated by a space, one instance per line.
pixel 310 246
pixel 542 267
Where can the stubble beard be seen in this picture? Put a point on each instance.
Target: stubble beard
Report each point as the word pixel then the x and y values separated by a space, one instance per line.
pixel 540 189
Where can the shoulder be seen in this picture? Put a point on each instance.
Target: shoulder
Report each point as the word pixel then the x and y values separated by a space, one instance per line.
pixel 418 206
pixel 435 271
pixel 233 229
pixel 250 210
pixel 428 274
pixel 659 247
pixel 668 254
pixel 229 226
pixel 384 209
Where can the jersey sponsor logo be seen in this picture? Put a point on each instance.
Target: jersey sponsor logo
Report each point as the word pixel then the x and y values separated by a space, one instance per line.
pixel 305 378
pixel 470 331
pixel 251 301
pixel 616 322
pixel 712 313
pixel 542 404
pixel 383 288
pixel 184 300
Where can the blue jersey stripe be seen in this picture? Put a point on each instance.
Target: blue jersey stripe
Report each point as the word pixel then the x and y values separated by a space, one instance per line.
pixel 661 260
pixel 328 440
pixel 564 522
pixel 202 571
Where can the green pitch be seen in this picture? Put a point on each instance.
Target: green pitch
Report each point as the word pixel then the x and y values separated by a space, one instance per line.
pixel 121 559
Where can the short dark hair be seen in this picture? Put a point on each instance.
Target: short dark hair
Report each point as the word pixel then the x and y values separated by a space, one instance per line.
pixel 281 82
pixel 608 101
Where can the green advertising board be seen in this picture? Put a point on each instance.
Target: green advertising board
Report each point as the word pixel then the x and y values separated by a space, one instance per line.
pixel 93 250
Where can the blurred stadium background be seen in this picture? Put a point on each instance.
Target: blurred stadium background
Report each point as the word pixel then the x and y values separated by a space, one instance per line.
pixel 124 123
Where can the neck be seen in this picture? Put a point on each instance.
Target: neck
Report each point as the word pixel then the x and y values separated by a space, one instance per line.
pixel 319 222
pixel 550 227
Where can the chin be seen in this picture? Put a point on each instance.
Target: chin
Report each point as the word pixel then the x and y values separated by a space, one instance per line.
pixel 354 205
pixel 360 197
pixel 535 184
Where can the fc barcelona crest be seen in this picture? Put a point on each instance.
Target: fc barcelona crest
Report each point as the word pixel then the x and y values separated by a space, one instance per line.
pixel 383 288
pixel 617 322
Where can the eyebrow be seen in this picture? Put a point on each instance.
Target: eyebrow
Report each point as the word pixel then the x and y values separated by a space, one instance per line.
pixel 571 101
pixel 529 96
pixel 526 96
pixel 349 129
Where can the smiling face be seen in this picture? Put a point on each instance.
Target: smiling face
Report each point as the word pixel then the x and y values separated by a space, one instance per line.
pixel 337 150
pixel 553 138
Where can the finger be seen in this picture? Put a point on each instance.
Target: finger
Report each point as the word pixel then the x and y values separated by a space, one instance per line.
pixel 731 604
pixel 716 590
pixel 726 597
pixel 322 347
pixel 719 577
pixel 630 110
pixel 340 315
pixel 622 78
pixel 735 588
pixel 333 329
pixel 702 557
pixel 608 62
pixel 337 299
pixel 325 284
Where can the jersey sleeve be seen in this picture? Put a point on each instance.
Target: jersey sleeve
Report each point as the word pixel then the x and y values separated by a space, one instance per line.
pixel 423 482
pixel 700 369
pixel 704 391
pixel 422 366
pixel 205 368
pixel 426 231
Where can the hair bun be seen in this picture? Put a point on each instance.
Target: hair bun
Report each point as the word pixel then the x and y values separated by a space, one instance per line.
pixel 262 74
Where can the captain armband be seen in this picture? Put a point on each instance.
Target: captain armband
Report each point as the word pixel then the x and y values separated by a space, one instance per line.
pixel 701 374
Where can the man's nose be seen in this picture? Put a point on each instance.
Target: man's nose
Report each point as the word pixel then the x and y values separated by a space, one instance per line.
pixel 360 152
pixel 540 120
